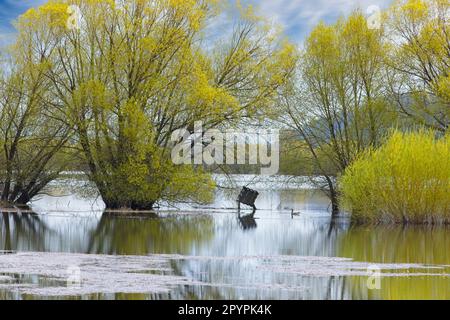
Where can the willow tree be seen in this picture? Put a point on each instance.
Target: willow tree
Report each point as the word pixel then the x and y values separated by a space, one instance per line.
pixel 419 33
pixel 32 134
pixel 130 73
pixel 339 107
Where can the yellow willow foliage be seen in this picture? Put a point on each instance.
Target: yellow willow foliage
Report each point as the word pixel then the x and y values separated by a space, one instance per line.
pixel 194 10
pixel 420 57
pixel 343 81
pixel 348 46
pixel 92 93
pixel 131 72
pixel 137 127
pixel 414 9
pixel 365 42
pixel 322 42
pixel 248 11
pixel 444 87
pixel 54 13
pixel 407 180
pixel 206 96
pixel 138 181
pixel 282 61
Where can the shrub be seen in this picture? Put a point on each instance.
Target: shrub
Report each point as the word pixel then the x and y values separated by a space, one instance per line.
pixel 407 180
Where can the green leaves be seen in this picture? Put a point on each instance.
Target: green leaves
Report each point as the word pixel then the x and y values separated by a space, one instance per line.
pixel 134 71
pixel 405 180
pixel 420 58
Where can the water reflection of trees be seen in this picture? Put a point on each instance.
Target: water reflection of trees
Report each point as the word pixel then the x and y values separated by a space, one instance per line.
pixel 22 228
pixel 218 235
pixel 149 234
pixel 308 237
pixel 399 244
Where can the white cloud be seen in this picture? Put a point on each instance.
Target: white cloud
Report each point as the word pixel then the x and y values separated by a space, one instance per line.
pixel 298 17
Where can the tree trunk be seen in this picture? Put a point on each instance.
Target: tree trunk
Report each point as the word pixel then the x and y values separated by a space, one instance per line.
pixel 333 195
pixel 112 204
pixel 8 246
pixel 334 203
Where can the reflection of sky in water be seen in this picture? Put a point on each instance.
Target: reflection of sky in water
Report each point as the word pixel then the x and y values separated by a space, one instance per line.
pixel 75 224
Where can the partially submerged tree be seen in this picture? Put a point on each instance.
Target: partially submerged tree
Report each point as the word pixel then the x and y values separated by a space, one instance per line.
pixel 31 136
pixel 339 107
pixel 130 73
pixel 419 34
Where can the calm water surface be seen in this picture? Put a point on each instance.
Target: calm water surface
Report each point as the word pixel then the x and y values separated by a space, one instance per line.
pixel 78 225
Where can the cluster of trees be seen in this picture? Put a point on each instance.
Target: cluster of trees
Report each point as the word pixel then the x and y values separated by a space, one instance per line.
pixel 108 89
pixel 355 83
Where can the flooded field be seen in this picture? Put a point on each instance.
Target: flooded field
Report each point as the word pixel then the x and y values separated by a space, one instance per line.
pixel 72 249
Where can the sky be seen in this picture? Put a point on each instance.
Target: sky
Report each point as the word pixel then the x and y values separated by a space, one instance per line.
pixel 296 17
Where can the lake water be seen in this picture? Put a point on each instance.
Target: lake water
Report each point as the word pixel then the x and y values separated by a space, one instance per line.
pixel 208 252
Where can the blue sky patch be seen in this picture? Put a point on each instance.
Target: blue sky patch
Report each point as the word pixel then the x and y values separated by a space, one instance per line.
pixel 297 17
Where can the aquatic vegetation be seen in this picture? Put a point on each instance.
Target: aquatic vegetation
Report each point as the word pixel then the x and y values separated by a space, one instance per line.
pixel 407 180
pixel 68 274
